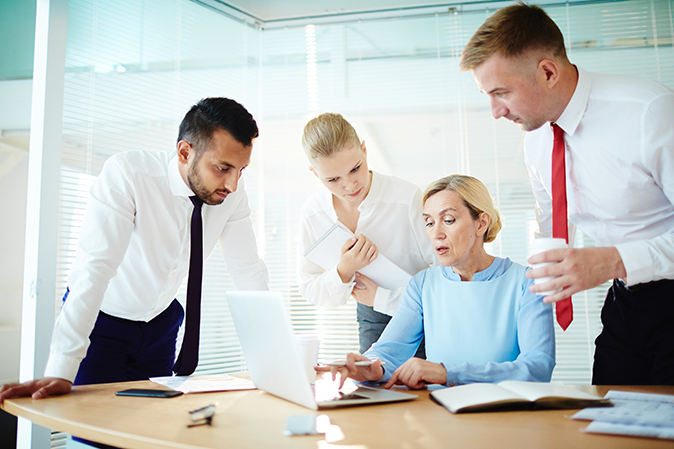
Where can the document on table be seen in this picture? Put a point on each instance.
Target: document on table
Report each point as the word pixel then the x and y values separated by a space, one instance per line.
pixel 204 384
pixel 636 414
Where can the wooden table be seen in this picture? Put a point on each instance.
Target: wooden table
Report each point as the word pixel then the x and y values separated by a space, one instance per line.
pixel 255 419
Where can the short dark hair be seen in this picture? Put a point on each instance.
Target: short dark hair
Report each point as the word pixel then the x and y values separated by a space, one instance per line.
pixel 211 114
pixel 511 32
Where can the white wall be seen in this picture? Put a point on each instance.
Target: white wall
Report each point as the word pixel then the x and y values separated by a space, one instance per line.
pixel 15 99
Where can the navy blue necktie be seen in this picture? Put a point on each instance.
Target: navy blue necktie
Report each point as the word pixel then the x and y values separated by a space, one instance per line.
pixel 189 352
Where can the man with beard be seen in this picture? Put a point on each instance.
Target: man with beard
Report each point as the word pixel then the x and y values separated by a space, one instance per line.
pixel 120 320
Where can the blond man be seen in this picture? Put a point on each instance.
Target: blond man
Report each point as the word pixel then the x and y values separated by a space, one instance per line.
pixel 619 150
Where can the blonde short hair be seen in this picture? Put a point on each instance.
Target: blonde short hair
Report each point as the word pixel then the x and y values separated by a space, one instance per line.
pixel 327 134
pixel 475 196
pixel 514 31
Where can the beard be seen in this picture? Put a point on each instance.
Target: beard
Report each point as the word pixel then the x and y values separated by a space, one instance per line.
pixel 197 185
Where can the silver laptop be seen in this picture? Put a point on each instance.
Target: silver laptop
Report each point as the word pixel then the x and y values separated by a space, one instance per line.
pixel 274 364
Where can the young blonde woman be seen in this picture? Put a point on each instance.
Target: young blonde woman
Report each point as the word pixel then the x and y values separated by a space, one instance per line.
pixel 479 319
pixel 382 211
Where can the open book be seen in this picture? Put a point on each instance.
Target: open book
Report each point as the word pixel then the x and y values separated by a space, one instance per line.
pixel 514 395
pixel 326 252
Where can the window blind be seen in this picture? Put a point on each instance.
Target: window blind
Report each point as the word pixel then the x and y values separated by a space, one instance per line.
pixel 135 67
pixel 397 81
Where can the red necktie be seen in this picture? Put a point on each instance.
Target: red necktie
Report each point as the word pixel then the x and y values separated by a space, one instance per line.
pixel 560 228
pixel 189 352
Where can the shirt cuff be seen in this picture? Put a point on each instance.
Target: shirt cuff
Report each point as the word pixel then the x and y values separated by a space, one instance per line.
pixel 339 291
pixel 382 302
pixel 452 376
pixel 62 366
pixel 637 261
pixel 386 376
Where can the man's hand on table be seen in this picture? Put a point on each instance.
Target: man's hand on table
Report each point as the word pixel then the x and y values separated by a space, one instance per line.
pixel 37 389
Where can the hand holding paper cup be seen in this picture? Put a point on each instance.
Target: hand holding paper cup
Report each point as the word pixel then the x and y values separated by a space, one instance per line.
pixel 541 245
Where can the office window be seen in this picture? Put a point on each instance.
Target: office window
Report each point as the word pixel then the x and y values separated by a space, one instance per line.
pixel 397 81
pixel 135 67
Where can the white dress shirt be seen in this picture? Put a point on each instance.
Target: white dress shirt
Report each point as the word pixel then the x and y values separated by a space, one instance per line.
pixel 134 248
pixel 619 135
pixel 390 216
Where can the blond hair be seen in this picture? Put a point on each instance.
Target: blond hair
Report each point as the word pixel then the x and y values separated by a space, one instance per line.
pixel 327 134
pixel 511 32
pixel 474 195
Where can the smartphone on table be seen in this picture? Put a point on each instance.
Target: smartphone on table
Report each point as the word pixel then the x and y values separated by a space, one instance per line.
pixel 149 393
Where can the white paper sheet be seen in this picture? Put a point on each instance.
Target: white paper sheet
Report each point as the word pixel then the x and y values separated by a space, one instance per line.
pixel 636 414
pixel 204 384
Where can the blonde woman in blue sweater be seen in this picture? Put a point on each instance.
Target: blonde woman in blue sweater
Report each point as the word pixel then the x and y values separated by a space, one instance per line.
pixel 481 322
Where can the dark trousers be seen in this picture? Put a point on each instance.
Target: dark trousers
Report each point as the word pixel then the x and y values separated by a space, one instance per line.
pixel 123 350
pixel 636 346
pixel 370 326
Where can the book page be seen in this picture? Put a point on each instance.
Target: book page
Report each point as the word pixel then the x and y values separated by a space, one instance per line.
pixel 535 391
pixel 465 396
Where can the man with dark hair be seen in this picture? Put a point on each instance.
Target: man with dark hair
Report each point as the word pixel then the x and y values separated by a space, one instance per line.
pixel 120 320
pixel 600 148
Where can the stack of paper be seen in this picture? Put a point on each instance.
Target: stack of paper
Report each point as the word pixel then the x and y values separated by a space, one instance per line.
pixel 636 414
pixel 204 384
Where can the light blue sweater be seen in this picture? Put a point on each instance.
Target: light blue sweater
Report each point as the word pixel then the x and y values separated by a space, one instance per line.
pixel 487 330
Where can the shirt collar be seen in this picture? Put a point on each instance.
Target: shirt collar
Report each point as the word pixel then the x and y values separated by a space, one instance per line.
pixel 178 186
pixel 574 111
pixel 493 271
pixel 375 191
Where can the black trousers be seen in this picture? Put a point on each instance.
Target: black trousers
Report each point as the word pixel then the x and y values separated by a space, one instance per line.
pixel 636 346
pixel 122 350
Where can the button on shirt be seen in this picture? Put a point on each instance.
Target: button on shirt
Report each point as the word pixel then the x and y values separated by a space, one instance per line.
pixel 390 216
pixel 134 247
pixel 619 134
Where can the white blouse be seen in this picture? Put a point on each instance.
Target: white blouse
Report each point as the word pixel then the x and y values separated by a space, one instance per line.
pixel 390 216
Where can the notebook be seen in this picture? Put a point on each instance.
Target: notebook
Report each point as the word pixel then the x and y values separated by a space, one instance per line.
pixel 268 344
pixel 325 252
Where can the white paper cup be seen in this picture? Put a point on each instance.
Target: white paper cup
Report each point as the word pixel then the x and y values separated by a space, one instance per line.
pixel 545 244
pixel 307 348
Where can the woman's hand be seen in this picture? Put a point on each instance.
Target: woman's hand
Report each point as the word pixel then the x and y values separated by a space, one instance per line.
pixel 366 293
pixel 417 373
pixel 359 373
pixel 357 253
